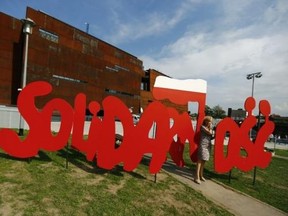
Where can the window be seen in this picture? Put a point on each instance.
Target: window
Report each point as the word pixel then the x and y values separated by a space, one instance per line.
pixel 122 68
pixel 145 85
pixel 112 69
pixel 49 36
pixel 68 79
pixel 115 92
pixel 116 68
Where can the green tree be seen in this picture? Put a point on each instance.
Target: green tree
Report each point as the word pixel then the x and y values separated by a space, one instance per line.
pixel 218 112
pixel 208 111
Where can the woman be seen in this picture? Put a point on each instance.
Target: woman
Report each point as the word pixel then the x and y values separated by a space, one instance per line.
pixel 204 148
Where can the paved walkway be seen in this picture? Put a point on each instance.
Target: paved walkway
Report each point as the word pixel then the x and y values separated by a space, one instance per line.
pixel 235 202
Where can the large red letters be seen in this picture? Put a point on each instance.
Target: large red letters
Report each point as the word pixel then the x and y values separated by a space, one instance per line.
pixel 100 143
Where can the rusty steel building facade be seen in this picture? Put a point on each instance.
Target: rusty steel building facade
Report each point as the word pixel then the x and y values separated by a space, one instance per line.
pixel 72 61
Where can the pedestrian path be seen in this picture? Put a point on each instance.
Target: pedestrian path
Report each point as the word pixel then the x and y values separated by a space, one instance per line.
pixel 235 202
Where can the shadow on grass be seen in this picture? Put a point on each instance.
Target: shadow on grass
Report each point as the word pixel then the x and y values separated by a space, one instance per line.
pixel 42 156
pixel 79 160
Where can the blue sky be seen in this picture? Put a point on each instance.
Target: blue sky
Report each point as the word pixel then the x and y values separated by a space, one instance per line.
pixel 220 41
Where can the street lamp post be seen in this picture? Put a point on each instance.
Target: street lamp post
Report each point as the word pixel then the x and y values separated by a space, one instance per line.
pixel 253 76
pixel 28 25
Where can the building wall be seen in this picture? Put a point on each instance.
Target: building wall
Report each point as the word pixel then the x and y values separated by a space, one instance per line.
pixel 10 58
pixel 68 58
pixel 75 62
pixel 72 61
pixel 147 96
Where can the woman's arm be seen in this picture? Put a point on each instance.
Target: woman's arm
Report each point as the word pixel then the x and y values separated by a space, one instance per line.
pixel 207 130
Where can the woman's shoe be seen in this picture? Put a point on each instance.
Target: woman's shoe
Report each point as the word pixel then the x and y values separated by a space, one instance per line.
pixel 197 181
pixel 203 179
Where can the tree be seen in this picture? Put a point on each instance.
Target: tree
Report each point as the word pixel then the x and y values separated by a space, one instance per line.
pixel 218 112
pixel 208 111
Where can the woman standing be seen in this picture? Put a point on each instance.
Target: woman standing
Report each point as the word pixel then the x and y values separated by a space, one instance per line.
pixel 204 148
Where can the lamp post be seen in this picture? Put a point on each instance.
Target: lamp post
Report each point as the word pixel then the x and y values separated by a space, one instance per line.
pixel 253 76
pixel 28 25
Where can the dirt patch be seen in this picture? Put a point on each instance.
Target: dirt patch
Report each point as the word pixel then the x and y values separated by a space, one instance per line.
pixel 6 209
pixel 173 198
pixel 49 206
pixel 78 172
pixel 87 178
pixel 113 188
pixel 94 181
pixel 160 176
pixel 11 205
pixel 16 169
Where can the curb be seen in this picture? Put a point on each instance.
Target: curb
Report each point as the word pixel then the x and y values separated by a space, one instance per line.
pixel 244 194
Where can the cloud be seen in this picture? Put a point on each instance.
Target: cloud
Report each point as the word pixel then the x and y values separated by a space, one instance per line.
pixel 220 41
pixel 282 107
pixel 223 56
pixel 151 23
pixel 197 55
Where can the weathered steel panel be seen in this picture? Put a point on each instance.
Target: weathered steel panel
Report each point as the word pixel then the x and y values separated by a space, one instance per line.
pixel 71 60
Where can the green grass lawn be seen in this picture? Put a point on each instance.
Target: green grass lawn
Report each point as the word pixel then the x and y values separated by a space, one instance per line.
pixel 44 186
pixel 281 152
pixel 271 185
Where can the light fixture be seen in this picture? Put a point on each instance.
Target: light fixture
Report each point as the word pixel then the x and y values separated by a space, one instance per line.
pixel 258 75
pixel 249 76
pixel 28 25
pixel 252 76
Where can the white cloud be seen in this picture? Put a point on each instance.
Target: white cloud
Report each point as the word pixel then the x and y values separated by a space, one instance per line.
pixel 220 41
pixel 151 24
pixel 225 55
pixel 282 107
pixel 198 56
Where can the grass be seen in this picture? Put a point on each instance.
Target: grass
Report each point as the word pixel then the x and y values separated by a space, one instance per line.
pixel 44 186
pixel 281 152
pixel 271 185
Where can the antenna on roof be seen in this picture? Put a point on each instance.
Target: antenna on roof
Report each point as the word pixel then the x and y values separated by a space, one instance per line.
pixel 87 27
